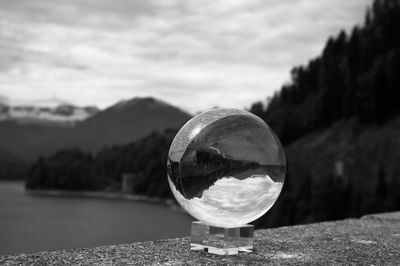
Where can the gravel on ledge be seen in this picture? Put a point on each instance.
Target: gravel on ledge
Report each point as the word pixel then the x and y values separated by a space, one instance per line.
pixel 371 240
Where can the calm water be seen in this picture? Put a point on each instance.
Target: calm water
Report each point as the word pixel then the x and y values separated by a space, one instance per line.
pixel 33 223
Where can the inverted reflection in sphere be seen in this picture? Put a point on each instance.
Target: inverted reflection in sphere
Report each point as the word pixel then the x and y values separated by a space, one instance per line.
pixel 226 167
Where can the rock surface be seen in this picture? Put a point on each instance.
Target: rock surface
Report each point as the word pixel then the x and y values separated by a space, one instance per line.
pixel 371 240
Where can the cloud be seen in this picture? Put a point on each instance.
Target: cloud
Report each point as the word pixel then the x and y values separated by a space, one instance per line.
pixel 194 54
pixel 231 202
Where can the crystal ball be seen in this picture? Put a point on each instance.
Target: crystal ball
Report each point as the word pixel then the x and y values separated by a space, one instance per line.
pixel 226 167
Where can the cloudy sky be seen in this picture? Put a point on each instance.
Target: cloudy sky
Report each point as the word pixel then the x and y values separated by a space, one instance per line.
pixel 194 54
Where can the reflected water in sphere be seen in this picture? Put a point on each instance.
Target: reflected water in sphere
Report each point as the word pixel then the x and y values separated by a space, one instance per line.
pixel 226 167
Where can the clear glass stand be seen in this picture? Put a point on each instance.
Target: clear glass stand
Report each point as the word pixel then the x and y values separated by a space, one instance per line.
pixel 221 241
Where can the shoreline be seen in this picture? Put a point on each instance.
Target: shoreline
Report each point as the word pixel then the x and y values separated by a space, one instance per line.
pixel 103 195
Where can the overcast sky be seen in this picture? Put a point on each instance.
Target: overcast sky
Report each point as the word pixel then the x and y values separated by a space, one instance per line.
pixel 194 54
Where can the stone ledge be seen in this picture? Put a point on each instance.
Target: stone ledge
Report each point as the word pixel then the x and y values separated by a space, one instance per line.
pixel 372 240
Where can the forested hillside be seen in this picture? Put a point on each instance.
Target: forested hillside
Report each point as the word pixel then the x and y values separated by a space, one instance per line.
pixel 74 169
pixel 357 75
pixel 339 121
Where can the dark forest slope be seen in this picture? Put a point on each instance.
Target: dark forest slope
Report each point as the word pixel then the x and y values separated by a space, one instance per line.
pixel 339 121
pixel 357 75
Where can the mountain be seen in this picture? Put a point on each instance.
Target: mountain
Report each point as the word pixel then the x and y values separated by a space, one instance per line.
pixel 29 140
pixel 61 115
pixel 121 123
pixel 124 122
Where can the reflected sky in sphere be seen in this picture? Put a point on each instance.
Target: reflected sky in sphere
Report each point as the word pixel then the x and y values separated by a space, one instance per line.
pixel 226 167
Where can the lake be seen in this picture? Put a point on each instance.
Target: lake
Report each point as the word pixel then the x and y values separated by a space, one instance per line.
pixel 34 223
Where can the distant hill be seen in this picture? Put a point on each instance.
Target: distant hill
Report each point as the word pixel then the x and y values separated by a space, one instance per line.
pixel 27 141
pixel 119 124
pixel 124 122
pixel 61 115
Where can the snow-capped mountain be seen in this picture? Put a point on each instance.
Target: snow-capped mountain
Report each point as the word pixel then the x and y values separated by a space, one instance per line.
pixel 63 114
pixel 28 132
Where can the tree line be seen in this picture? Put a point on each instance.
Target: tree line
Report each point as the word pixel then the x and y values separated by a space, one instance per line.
pixel 74 169
pixel 357 75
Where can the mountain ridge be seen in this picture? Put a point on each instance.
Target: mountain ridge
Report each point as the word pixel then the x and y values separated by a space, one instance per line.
pixel 60 115
pixel 112 126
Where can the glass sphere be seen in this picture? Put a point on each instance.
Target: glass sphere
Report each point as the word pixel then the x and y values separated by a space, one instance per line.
pixel 226 167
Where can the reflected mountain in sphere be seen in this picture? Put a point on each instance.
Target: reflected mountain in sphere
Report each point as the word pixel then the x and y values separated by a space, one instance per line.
pixel 226 167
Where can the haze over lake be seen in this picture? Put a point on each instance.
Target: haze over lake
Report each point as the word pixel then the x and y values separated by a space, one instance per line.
pixel 34 223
